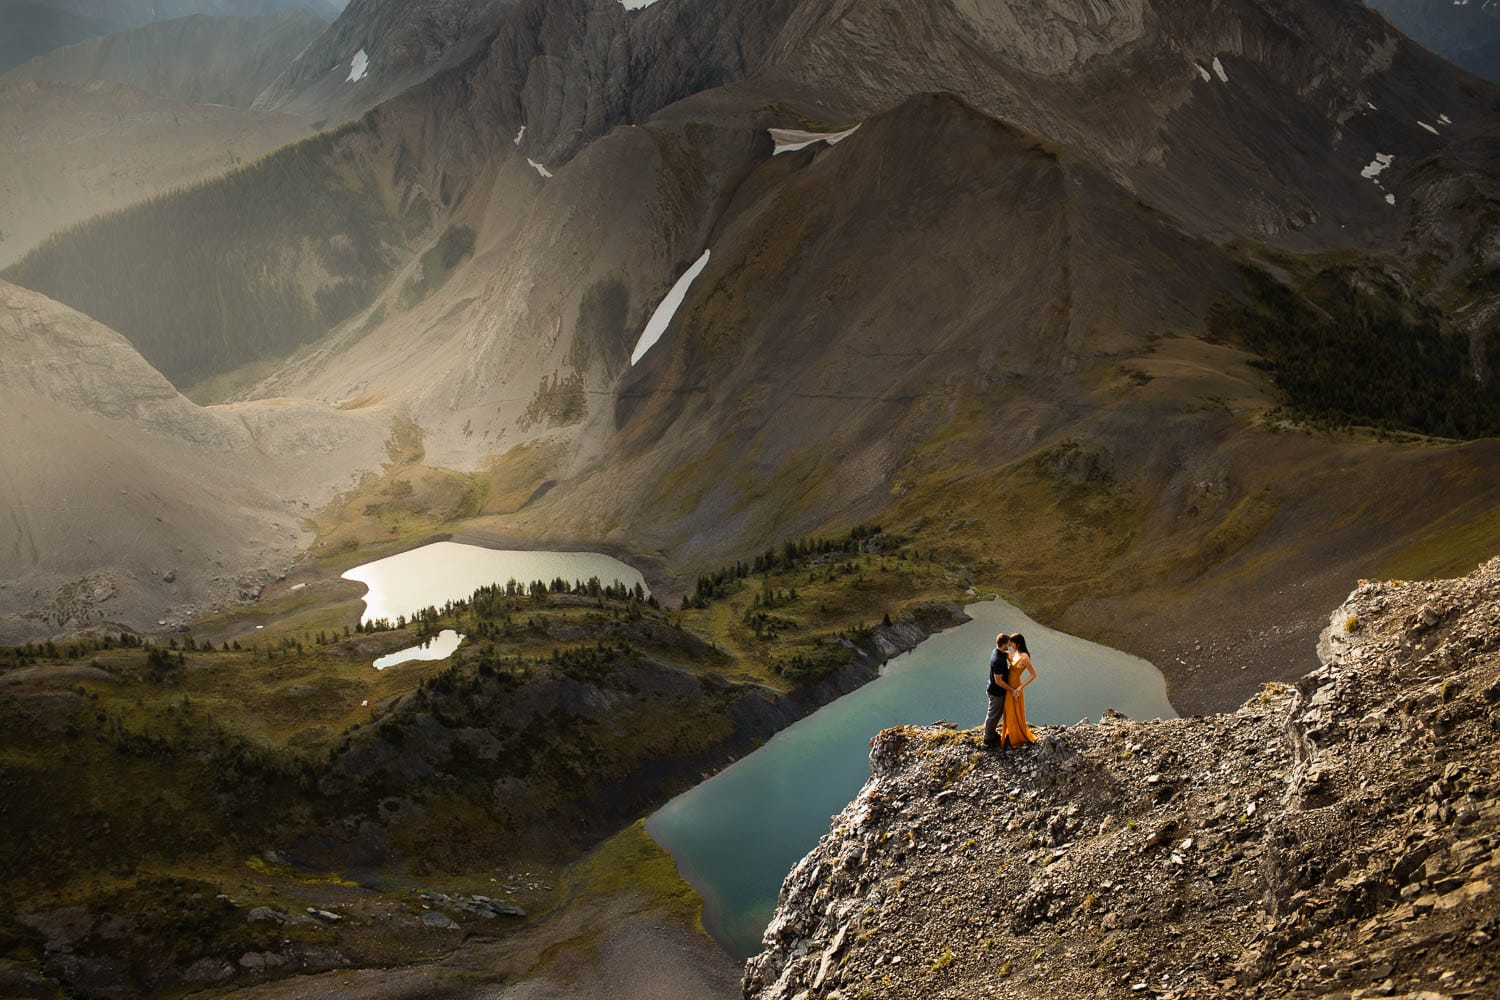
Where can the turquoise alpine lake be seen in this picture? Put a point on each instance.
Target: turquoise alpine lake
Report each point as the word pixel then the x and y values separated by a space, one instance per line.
pixel 736 836
pixel 434 574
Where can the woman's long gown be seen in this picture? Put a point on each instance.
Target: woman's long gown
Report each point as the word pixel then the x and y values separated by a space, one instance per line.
pixel 1013 728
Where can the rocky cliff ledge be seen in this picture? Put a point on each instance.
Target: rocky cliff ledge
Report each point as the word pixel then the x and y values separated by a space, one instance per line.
pixel 1336 837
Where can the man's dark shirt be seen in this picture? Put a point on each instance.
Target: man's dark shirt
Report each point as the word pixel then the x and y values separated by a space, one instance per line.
pixel 998 665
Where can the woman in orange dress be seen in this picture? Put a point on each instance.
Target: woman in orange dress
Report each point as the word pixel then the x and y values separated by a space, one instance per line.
pixel 1013 728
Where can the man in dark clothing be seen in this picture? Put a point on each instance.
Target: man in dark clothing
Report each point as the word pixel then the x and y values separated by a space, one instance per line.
pixel 999 670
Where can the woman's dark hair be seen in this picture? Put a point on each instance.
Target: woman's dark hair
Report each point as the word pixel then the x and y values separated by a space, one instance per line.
pixel 1020 641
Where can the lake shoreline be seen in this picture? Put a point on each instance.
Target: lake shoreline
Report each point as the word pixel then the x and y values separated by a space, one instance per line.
pixel 735 835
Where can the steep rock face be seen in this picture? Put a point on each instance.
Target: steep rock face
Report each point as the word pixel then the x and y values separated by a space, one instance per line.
pixel 129 504
pixel 197 60
pixel 1466 34
pixel 1329 838
pixel 1266 99
pixel 568 71
pixel 373 51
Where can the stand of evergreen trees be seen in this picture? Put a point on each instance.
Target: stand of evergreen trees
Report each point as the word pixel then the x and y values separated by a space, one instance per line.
pixel 208 278
pixel 793 554
pixel 1349 348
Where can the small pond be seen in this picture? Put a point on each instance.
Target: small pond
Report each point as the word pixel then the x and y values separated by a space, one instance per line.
pixel 439 647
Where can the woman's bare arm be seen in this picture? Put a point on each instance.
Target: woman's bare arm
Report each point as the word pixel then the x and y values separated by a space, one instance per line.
pixel 1028 670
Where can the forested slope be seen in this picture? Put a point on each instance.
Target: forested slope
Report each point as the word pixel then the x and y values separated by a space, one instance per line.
pixel 281 251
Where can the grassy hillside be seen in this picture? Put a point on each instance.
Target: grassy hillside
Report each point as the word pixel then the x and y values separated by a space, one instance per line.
pixel 251 265
pixel 275 766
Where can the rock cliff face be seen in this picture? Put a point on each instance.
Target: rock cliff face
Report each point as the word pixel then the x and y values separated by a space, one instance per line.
pixel 374 50
pixel 1335 837
pixel 1183 102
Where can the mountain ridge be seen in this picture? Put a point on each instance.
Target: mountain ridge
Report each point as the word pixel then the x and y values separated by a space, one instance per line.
pixel 35 28
pixel 538 198
pixel 85 149
pixel 163 510
pixel 199 59
pixel 1467 34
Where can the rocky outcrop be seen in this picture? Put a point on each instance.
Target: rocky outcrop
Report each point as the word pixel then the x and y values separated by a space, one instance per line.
pixel 1334 837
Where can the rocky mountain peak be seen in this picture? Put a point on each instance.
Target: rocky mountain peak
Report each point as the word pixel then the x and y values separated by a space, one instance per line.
pixel 1333 837
pixel 374 50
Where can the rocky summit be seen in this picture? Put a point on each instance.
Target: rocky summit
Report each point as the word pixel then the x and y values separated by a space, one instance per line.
pixel 1333 838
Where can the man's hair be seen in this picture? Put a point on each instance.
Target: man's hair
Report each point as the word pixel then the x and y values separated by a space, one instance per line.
pixel 1001 638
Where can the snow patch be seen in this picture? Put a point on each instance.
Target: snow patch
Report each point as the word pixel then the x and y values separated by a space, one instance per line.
pixel 636 4
pixel 1444 120
pixel 662 318
pixel 358 67
pixel 1377 166
pixel 519 135
pixel 789 140
pixel 1219 71
pixel 1428 127
pixel 1207 78
pixel 1390 199
pixel 539 168
pixel 1371 106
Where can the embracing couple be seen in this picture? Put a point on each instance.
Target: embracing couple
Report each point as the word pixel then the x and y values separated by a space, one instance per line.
pixel 1009 673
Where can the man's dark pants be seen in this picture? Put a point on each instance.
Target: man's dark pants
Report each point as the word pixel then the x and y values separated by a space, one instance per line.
pixel 992 718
